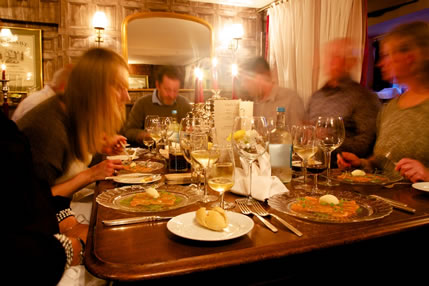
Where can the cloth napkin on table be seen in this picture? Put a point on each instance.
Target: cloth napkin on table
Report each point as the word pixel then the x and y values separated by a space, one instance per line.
pixel 263 184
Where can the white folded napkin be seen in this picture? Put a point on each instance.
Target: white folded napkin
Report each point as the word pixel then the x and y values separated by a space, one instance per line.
pixel 263 184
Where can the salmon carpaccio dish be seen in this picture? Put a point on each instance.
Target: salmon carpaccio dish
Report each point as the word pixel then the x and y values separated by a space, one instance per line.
pixel 312 205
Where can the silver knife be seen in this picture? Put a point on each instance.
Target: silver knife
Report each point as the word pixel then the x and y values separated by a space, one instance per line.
pixel 132 220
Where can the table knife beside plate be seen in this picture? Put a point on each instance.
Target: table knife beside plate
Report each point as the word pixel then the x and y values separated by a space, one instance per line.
pixel 132 220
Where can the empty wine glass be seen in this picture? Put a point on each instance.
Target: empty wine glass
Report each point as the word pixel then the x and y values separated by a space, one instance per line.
pixel 200 152
pixel 250 138
pixel 221 173
pixel 165 127
pixel 185 132
pixel 304 145
pixel 330 133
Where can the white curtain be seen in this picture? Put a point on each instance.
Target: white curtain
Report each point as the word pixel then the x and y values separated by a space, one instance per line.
pixel 298 29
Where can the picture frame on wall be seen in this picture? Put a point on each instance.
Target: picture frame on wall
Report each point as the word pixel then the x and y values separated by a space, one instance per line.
pixel 138 81
pixel 21 55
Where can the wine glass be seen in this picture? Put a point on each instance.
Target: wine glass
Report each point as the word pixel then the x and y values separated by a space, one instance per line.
pixel 185 132
pixel 153 127
pixel 165 127
pixel 201 154
pixel 304 145
pixel 330 133
pixel 316 165
pixel 221 173
pixel 250 138
pixel 147 139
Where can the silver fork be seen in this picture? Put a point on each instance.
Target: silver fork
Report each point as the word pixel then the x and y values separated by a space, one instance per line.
pixel 246 210
pixel 262 212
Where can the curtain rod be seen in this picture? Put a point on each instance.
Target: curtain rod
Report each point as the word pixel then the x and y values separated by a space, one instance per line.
pixel 275 2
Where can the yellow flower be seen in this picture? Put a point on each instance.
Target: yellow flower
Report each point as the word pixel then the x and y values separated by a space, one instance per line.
pixel 238 135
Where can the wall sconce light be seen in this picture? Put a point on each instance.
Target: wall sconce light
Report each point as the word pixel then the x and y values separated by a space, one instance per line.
pixel 99 22
pixel 237 34
pixel 231 36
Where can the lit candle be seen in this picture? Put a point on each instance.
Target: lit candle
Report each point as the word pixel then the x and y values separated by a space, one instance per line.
pixel 198 78
pixel 201 98
pixel 3 71
pixel 234 72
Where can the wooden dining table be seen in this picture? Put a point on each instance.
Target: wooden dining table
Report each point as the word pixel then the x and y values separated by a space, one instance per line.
pixel 149 253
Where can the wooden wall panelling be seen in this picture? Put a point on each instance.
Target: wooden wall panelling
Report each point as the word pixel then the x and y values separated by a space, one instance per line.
pixel 68 30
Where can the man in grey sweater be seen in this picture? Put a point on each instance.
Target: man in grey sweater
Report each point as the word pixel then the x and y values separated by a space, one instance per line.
pixel 257 85
pixel 162 102
pixel 341 96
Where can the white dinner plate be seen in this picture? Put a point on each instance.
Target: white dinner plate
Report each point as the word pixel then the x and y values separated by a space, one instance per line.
pixel 186 226
pixel 133 179
pixel 122 157
pixel 422 186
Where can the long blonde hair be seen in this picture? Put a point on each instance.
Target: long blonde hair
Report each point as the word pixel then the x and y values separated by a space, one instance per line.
pixel 92 107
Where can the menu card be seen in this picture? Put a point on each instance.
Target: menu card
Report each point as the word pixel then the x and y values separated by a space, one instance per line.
pixel 225 112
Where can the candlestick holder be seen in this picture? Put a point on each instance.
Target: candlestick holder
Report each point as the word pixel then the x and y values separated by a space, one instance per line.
pixel 5 90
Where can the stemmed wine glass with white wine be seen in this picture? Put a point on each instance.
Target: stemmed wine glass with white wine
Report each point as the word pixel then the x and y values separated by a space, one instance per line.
pixel 221 173
pixel 250 138
pixel 149 124
pixel 200 152
pixel 305 146
pixel 330 133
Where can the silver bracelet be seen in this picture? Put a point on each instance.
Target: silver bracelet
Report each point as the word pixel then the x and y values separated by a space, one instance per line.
pixel 63 214
pixel 68 247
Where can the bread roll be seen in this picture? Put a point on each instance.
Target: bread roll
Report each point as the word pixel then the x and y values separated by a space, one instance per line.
pixel 215 219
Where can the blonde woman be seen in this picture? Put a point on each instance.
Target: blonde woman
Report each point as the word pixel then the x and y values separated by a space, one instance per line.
pixel 69 128
pixel 402 125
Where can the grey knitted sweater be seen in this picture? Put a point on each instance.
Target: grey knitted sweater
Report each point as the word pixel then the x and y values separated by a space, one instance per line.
pixel 358 107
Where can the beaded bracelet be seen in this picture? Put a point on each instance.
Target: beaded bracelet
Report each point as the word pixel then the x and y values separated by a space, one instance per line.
pixel 68 247
pixel 63 214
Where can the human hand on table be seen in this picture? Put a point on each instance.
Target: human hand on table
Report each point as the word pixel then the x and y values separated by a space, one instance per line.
pixel 104 169
pixel 347 160
pixel 74 231
pixel 72 228
pixel 413 170
pixel 114 145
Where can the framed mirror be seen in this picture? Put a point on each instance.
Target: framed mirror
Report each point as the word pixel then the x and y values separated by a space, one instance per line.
pixel 153 39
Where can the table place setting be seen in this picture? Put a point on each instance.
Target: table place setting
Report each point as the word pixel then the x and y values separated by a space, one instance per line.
pixel 187 226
